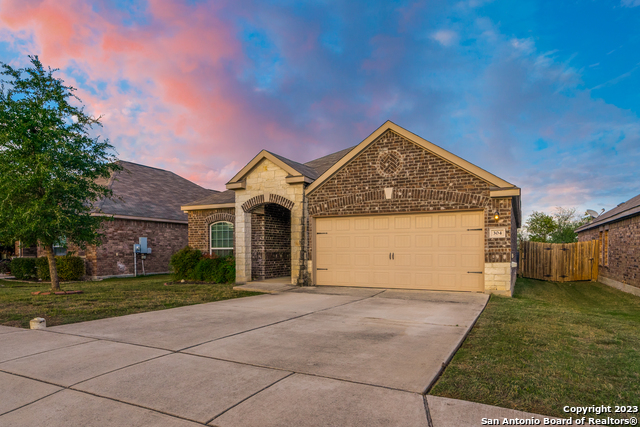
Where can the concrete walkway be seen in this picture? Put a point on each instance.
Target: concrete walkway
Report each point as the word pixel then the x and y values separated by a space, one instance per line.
pixel 307 357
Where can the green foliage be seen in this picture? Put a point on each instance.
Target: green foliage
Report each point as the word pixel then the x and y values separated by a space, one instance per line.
pixel 24 268
pixel 540 226
pixel 556 228
pixel 5 266
pixel 191 264
pixel 184 261
pixel 69 268
pixel 216 270
pixel 42 268
pixel 51 165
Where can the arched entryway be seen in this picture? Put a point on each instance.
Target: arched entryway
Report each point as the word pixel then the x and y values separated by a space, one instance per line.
pixel 270 241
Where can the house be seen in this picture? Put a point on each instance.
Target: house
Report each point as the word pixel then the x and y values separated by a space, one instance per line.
pixel 394 211
pixel 146 203
pixel 618 231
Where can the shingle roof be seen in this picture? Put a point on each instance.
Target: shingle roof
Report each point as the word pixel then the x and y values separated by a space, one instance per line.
pixel 144 191
pixel 228 196
pixel 323 164
pixel 624 210
pixel 304 170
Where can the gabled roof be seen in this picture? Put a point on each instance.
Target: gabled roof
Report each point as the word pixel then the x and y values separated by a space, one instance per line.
pixel 493 180
pixel 146 192
pixel 297 171
pixel 624 210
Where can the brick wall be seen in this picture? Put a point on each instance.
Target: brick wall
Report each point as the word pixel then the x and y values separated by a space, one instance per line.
pixel 114 257
pixel 421 182
pixel 623 250
pixel 201 220
pixel 270 242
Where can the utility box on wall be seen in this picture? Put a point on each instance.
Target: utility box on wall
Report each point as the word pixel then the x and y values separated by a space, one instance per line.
pixel 141 248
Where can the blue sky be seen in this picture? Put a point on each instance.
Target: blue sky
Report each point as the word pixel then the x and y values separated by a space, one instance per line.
pixel 544 94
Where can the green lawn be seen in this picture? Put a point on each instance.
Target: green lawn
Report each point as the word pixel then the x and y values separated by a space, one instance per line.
pixel 107 298
pixel 551 345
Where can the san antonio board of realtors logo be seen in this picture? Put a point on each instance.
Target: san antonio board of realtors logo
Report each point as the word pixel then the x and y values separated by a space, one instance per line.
pixel 389 163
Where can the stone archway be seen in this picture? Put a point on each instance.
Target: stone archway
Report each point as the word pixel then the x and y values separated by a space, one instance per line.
pixel 270 240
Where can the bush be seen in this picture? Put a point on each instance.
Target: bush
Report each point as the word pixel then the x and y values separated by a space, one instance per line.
pixel 184 262
pixel 24 268
pixel 216 270
pixel 69 268
pixel 5 266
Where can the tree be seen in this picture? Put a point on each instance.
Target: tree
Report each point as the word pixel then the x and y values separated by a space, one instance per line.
pixel 556 228
pixel 50 164
pixel 566 222
pixel 540 226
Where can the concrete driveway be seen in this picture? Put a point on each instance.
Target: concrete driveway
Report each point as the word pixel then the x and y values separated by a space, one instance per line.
pixel 308 357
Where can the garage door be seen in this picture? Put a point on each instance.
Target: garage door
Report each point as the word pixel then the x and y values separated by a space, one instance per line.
pixel 441 251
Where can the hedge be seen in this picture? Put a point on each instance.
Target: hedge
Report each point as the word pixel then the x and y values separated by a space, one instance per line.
pixel 190 264
pixel 69 268
pixel 24 268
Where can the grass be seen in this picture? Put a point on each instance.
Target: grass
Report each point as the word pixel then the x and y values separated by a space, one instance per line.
pixel 551 345
pixel 107 298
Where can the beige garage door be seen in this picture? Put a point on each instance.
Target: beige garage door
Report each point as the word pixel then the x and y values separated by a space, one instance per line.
pixel 438 251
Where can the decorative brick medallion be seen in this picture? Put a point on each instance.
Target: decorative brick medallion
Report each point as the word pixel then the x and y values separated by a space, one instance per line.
pixel 389 163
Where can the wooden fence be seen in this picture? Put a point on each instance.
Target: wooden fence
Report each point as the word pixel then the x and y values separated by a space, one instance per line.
pixel 559 262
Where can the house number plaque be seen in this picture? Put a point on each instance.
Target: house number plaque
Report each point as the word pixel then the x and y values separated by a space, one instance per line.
pixel 497 233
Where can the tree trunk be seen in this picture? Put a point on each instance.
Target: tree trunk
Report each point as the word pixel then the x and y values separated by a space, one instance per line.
pixel 53 270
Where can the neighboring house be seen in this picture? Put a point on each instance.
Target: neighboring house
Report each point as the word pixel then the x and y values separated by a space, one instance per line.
pixel 618 231
pixel 146 203
pixel 395 211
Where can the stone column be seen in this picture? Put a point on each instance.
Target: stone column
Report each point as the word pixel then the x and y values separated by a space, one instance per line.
pixel 297 216
pixel 243 245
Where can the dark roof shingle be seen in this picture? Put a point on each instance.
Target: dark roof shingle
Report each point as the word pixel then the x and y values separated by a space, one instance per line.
pixel 148 192
pixel 228 196
pixel 323 164
pixel 629 208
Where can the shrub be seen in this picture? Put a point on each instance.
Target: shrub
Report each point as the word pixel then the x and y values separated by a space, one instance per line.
pixel 5 266
pixel 184 262
pixel 69 268
pixel 24 268
pixel 216 270
pixel 42 268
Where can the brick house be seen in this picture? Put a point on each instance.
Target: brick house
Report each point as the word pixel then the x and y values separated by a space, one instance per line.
pixel 146 203
pixel 618 231
pixel 394 211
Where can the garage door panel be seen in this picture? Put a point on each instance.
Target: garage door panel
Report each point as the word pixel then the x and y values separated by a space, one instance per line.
pixel 343 242
pixel 402 241
pixel 342 259
pixel 343 224
pixel 471 220
pixel 447 240
pixel 471 240
pixel 424 241
pixel 446 260
pixel 324 242
pixel 417 251
pixel 402 260
pixel 424 260
pixel 447 221
pixel 381 223
pixel 381 242
pixel 362 260
pixel 381 260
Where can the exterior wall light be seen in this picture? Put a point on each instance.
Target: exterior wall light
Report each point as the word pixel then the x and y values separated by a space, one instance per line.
pixel 496 215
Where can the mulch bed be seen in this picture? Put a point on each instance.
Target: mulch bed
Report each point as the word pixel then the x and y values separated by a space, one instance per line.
pixel 56 292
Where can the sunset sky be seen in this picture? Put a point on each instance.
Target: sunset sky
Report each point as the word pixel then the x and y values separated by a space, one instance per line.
pixel 545 94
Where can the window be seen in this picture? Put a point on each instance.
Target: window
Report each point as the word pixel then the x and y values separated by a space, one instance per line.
pixel 221 238
pixel 601 248
pixel 605 248
pixel 60 247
